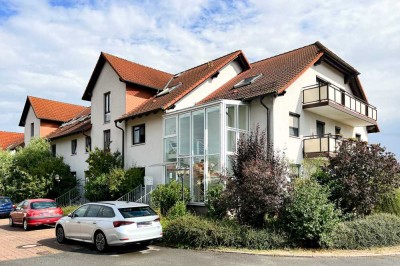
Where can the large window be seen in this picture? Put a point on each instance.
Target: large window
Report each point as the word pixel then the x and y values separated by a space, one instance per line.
pixel 74 144
pixel 138 134
pixel 107 140
pixel 107 110
pixel 170 143
pixel 320 129
pixel 294 121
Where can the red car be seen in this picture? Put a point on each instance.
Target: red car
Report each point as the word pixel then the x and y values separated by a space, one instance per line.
pixel 35 212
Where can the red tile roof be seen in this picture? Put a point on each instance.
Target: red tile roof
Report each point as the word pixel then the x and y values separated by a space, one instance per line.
pixel 78 124
pixel 50 110
pixel 278 73
pixel 128 72
pixel 8 139
pixel 189 80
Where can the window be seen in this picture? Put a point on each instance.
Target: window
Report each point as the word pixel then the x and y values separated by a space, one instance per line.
pixel 74 143
pixel 93 211
pixel 138 134
pixel 54 150
pixel 88 143
pixel 73 174
pixel 80 212
pixel 320 129
pixel 107 140
pixel 294 121
pixel 32 129
pixel 106 212
pixel 337 130
pixel 107 116
pixel 247 81
pixel 358 137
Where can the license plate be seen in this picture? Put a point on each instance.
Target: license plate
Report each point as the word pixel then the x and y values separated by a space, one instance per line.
pixel 144 224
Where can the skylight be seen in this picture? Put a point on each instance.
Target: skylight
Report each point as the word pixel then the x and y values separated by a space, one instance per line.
pixel 247 81
pixel 168 90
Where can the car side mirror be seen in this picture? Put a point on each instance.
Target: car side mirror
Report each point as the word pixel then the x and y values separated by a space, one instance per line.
pixel 70 215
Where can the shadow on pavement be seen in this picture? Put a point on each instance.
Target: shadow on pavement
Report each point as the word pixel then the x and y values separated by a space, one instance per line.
pixel 18 227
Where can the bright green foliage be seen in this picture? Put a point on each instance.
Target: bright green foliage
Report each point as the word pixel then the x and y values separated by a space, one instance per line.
pixel 69 209
pixel 378 230
pixel 308 215
pixel 33 173
pixel 213 202
pixel 178 210
pixel 390 203
pixel 6 166
pixel 200 232
pixel 166 196
pixel 106 179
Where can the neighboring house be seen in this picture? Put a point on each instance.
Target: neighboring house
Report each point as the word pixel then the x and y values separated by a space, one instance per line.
pixel 11 140
pixel 307 100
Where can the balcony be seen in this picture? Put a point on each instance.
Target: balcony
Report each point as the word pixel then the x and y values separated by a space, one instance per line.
pixel 321 146
pixel 335 103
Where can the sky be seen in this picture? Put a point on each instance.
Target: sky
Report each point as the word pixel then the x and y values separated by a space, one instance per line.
pixel 48 48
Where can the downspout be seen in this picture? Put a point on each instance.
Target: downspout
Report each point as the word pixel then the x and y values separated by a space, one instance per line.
pixel 269 144
pixel 123 143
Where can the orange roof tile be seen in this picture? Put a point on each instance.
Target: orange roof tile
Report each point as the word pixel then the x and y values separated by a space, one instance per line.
pixel 78 124
pixel 190 79
pixel 129 72
pixel 8 139
pixel 50 110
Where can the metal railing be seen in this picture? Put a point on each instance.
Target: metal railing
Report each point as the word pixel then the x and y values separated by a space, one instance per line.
pixel 134 194
pixel 328 92
pixel 69 198
pixel 146 199
pixel 326 143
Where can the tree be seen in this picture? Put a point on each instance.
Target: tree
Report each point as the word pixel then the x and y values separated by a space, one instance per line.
pixel 308 215
pixel 6 166
pixel 258 184
pixel 360 176
pixel 33 173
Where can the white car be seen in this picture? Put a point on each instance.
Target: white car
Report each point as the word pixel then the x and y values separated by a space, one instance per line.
pixel 110 223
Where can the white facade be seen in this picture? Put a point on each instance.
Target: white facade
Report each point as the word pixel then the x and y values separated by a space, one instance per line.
pixel 31 118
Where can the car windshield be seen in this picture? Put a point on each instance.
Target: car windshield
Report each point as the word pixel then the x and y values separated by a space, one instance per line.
pixel 4 200
pixel 43 204
pixel 133 212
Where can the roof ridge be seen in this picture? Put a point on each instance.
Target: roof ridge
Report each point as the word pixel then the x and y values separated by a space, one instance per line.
pixel 215 59
pixel 2 131
pixel 315 44
pixel 120 58
pixel 29 96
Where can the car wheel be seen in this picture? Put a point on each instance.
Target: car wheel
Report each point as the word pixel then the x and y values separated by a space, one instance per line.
pixel 60 234
pixel 100 242
pixel 25 225
pixel 11 222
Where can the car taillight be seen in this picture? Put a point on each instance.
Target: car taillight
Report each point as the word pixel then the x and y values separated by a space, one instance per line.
pixel 157 220
pixel 121 223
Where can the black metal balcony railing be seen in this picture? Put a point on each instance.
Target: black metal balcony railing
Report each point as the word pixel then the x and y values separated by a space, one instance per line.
pixel 327 92
pixel 321 145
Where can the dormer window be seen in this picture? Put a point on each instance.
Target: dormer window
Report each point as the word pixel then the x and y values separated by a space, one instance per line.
pixel 107 111
pixel 247 81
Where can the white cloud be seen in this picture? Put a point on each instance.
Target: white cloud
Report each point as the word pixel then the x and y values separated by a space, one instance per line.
pixel 50 50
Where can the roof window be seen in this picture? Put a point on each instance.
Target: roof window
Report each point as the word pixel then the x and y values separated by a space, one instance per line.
pixel 168 90
pixel 247 81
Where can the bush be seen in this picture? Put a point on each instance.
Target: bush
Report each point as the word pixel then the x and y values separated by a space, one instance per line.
pixel 215 209
pixel 69 209
pixel 178 210
pixel 199 232
pixel 308 215
pixel 360 175
pixel 378 230
pixel 166 196
pixel 258 184
pixel 390 203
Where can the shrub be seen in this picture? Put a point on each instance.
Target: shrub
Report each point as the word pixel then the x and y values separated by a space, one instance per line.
pixel 166 196
pixel 390 203
pixel 215 208
pixel 376 230
pixel 308 215
pixel 200 232
pixel 178 210
pixel 258 184
pixel 360 175
pixel 69 209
